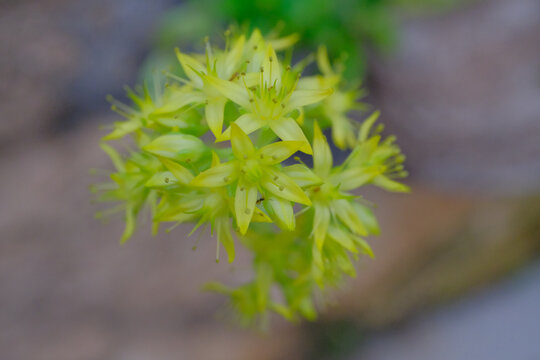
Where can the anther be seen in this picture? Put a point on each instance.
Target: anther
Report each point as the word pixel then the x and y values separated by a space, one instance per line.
pixel 247 61
pixel 166 180
pixel 226 179
pixel 288 68
pixel 262 156
pixel 255 47
pixel 276 177
pixel 274 100
pixel 251 100
pixel 270 59
pixel 281 188
pixel 242 188
pixel 247 211
pixel 262 69
pixel 243 73
pixel 283 106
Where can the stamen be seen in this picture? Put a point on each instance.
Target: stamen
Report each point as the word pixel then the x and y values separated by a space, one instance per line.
pixel 247 211
pixel 166 180
pixel 281 188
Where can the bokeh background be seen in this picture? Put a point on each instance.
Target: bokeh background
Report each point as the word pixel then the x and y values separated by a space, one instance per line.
pixel 457 267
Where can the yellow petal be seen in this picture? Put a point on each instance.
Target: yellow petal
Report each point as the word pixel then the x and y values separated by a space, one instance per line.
pixel 302 175
pixel 288 129
pixel 346 213
pixel 182 174
pixel 284 187
pixel 191 66
pixel 322 156
pixel 224 236
pixel 247 122
pixel 234 57
pixel 321 221
pixel 245 199
pixel 232 91
pixel 284 42
pixel 301 98
pixel 366 126
pixel 322 61
pixel 278 152
pixel 115 157
pixel 260 216
pixel 271 69
pixel 281 211
pixel 214 115
pixel 241 143
pixel 216 176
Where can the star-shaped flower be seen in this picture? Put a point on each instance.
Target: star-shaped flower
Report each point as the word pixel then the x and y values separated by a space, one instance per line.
pixel 271 102
pixel 254 171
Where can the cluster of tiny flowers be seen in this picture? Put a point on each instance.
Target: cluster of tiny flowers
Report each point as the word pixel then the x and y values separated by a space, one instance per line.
pixel 216 146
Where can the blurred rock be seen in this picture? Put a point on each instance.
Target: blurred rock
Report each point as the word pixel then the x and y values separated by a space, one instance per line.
pixel 60 58
pixel 463 95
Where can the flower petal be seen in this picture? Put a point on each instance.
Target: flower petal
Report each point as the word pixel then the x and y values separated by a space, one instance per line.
pixel 346 213
pixel 216 176
pixel 234 56
pixel 260 216
pixel 191 66
pixel 271 69
pixel 244 204
pixel 288 129
pixel 284 42
pixel 302 175
pixel 281 211
pixel 240 142
pixel 161 179
pixel 232 91
pixel 321 221
pixel 181 147
pixel 366 126
pixel 322 156
pixel 277 152
pixel 214 115
pixel 284 187
pixel 224 236
pixel 123 128
pixel 115 157
pixel 355 177
pixel 247 122
pixel 343 238
pixel 306 97
pixel 181 174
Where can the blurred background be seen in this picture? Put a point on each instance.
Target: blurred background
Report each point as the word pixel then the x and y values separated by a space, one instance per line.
pixel 457 267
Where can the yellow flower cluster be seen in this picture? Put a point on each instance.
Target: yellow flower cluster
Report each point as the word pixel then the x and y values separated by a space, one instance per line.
pixel 215 145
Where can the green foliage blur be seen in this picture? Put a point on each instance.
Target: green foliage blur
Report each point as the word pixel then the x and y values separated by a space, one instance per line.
pixel 348 28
